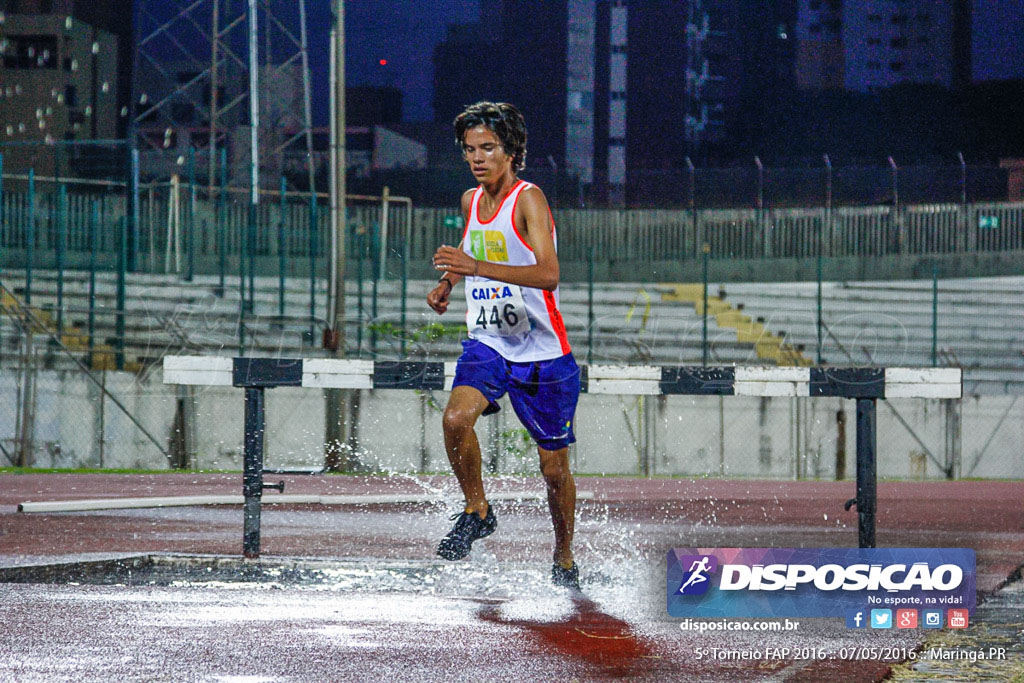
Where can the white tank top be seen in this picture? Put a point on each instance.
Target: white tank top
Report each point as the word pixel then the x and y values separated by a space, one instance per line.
pixel 523 324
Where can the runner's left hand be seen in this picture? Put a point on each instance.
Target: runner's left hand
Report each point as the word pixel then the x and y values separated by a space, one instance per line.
pixel 454 260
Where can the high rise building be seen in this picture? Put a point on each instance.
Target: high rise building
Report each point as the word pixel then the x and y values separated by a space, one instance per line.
pixel 683 79
pixel 612 88
pixel 59 82
pixel 868 45
pixel 463 73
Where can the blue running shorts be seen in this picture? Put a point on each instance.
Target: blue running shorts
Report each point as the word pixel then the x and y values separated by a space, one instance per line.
pixel 543 393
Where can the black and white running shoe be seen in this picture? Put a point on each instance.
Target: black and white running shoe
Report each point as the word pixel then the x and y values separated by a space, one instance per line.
pixel 565 578
pixel 468 527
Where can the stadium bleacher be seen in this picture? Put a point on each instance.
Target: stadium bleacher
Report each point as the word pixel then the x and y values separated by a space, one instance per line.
pixel 865 323
pixel 891 324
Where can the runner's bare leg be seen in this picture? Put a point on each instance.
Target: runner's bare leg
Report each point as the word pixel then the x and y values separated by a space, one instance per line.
pixel 554 465
pixel 464 407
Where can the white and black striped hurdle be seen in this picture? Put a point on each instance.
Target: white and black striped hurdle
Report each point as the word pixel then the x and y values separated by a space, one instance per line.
pixel 864 385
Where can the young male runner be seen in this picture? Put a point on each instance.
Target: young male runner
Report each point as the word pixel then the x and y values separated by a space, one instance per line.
pixel 517 341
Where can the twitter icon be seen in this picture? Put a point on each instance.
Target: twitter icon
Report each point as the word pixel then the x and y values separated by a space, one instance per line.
pixel 881 618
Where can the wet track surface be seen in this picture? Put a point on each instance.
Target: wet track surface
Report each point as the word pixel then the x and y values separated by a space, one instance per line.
pixel 354 593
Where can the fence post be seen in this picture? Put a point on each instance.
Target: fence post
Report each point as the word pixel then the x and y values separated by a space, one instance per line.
pixel 963 178
pixel 314 224
pixel 766 250
pixel 242 241
pixel 962 242
pixel 590 305
pixel 820 322
pixel 27 407
pixel 706 251
pixel 250 234
pixel 935 313
pixel 94 233
pixel 122 265
pixel 62 232
pixel 692 172
pixel 190 238
pixel 282 209
pixel 30 235
pixel 405 283
pixel 895 219
pixel 361 254
pixel 375 273
pixel 382 255
pixel 222 238
pixel 133 211
pixel 825 228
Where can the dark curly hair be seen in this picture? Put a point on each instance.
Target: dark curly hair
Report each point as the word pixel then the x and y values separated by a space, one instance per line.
pixel 501 117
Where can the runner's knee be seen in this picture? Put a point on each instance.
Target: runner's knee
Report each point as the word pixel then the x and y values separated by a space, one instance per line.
pixel 554 467
pixel 456 420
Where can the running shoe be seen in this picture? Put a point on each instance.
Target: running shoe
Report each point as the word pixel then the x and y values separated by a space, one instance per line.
pixel 468 528
pixel 565 578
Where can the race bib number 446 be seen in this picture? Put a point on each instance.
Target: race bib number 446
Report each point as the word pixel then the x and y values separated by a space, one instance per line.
pixel 496 308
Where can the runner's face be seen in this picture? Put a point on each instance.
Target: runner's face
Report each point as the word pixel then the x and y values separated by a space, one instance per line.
pixel 482 150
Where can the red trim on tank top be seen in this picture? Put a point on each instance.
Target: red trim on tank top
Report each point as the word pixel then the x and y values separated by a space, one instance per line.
pixel 556 321
pixel 500 204
pixel 472 210
pixel 514 228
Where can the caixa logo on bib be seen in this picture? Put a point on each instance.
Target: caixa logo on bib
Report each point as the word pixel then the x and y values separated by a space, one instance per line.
pixel 488 293
pixel 816 582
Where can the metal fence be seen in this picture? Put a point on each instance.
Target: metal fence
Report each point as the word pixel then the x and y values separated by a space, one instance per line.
pixel 184 231
pixel 59 418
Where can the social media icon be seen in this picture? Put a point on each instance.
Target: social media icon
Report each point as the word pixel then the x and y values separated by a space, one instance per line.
pixel 906 618
pixel 957 618
pixel 932 618
pixel 856 618
pixel 881 618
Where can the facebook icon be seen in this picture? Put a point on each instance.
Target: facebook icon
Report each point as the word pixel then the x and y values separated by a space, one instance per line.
pixel 856 619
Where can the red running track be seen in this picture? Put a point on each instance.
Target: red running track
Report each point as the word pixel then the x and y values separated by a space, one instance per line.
pixel 492 617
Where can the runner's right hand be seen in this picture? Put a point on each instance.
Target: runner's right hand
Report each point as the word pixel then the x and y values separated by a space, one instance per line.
pixel 438 297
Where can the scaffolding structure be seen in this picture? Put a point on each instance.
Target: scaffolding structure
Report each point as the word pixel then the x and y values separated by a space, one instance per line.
pixel 193 79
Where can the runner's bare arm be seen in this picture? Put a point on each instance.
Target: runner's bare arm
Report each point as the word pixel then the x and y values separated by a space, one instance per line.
pixel 440 295
pixel 533 219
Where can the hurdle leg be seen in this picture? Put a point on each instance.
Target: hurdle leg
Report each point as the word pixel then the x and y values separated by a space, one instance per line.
pixel 867 476
pixel 252 477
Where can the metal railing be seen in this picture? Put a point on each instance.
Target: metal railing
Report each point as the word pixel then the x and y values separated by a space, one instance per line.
pixel 172 239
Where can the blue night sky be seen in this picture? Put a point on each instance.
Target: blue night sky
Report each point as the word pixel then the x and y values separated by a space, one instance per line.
pixel 404 32
pixel 998 49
